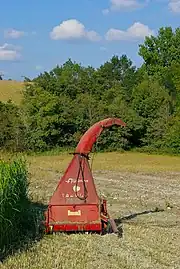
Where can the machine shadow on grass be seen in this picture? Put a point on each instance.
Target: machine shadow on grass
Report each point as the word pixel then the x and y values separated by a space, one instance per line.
pixel 120 221
pixel 33 231
pixel 29 234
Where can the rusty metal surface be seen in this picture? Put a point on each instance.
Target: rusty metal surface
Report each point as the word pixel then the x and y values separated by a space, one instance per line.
pixel 113 226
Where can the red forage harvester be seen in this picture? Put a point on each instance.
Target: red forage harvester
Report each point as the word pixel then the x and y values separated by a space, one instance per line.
pixel 75 205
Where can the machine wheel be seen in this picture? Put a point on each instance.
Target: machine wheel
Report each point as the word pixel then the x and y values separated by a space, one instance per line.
pixel 109 228
pixel 106 228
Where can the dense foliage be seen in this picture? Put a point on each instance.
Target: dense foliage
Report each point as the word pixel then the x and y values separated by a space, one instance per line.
pixel 12 129
pixel 14 209
pixel 60 105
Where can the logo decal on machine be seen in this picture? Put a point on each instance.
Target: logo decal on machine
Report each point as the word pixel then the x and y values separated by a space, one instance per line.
pixel 74 213
pixel 73 180
pixel 76 188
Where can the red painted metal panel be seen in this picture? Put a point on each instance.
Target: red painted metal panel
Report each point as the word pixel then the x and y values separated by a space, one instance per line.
pixel 74 213
pixel 89 138
pixel 71 187
pixel 75 204
pixel 73 227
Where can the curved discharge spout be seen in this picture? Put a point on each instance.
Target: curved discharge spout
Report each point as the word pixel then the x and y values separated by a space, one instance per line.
pixel 91 135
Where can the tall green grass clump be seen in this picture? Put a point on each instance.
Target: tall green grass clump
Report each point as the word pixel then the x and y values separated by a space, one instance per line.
pixel 14 203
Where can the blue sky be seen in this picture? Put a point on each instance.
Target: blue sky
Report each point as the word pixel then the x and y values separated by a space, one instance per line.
pixel 36 35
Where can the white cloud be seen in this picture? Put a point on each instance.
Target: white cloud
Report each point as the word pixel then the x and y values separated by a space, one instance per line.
pixel 13 33
pixel 118 5
pixel 9 52
pixel 124 4
pixel 38 67
pixel 135 32
pixel 2 73
pixel 34 33
pixel 174 6
pixel 73 29
pixel 105 11
pixel 92 36
pixel 103 49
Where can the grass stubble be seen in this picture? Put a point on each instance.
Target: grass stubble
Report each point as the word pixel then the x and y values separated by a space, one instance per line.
pixel 134 184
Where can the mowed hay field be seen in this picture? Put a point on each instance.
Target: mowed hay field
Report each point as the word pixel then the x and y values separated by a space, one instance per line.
pixel 138 187
pixel 11 90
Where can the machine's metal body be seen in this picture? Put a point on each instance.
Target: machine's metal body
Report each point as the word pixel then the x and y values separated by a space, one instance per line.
pixel 75 204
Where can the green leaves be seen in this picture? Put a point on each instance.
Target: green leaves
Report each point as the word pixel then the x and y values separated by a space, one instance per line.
pixel 148 97
pixel 60 105
pixel 152 104
pixel 13 201
pixel 159 52
pixel 48 117
pixel 11 127
pixel 172 136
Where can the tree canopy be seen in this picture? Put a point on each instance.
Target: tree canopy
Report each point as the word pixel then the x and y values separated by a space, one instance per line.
pixel 60 105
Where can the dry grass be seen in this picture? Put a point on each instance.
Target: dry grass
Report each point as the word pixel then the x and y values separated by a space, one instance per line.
pixel 133 183
pixel 11 90
pixel 115 161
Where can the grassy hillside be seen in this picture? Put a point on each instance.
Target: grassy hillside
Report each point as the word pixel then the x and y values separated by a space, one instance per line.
pixel 11 90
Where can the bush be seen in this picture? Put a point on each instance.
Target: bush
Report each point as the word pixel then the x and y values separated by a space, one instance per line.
pixel 14 203
pixel 12 129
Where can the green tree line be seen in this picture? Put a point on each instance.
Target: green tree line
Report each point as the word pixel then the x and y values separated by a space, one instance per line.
pixel 60 105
